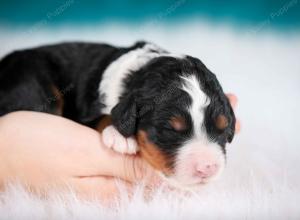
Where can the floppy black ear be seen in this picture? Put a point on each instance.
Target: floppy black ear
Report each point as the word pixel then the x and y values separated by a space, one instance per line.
pixel 232 125
pixel 124 116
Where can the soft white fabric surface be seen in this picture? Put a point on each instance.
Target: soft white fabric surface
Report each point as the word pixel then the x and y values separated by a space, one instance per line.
pixel 262 178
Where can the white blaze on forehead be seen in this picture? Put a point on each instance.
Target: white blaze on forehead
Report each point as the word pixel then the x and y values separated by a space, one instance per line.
pixel 199 150
pixel 199 102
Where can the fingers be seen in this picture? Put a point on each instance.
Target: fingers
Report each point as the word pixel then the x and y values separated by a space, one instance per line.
pixel 135 170
pixel 233 101
pixel 237 126
pixel 103 188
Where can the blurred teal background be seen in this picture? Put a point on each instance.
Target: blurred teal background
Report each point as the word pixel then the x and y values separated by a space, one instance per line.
pixel 277 13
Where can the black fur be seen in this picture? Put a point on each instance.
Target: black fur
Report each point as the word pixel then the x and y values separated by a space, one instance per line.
pixel 151 96
pixel 75 69
pixel 157 94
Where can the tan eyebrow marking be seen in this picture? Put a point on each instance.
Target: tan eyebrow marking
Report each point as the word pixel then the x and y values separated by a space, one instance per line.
pixel 178 123
pixel 221 122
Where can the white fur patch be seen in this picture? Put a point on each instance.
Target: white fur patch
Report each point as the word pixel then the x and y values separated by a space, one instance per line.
pixel 199 102
pixel 111 84
pixel 196 152
pixel 113 139
pixel 199 150
pixel 116 72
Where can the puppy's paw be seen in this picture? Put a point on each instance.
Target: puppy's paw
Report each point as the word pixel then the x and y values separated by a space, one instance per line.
pixel 113 139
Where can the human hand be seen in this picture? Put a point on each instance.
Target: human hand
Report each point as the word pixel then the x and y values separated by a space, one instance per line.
pixel 42 151
pixel 234 101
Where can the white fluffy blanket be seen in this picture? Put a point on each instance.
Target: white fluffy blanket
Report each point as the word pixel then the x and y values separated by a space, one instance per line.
pixel 262 178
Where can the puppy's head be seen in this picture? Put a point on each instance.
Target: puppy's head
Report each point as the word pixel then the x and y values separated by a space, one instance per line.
pixel 180 116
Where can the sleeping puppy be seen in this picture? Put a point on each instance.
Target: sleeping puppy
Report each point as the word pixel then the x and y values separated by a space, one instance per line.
pixel 169 108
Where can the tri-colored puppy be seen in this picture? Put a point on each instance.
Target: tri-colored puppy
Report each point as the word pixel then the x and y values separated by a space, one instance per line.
pixel 169 108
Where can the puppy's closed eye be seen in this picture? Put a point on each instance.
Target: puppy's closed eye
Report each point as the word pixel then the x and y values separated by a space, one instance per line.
pixel 178 123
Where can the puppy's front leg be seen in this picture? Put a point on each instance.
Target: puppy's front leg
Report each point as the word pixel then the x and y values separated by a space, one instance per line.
pixel 113 139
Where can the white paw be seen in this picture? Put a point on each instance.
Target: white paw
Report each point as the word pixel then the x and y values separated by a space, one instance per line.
pixel 113 139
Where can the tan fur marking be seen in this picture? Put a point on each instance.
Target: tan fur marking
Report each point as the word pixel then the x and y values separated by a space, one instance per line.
pixel 221 122
pixel 103 123
pixel 58 99
pixel 151 153
pixel 178 123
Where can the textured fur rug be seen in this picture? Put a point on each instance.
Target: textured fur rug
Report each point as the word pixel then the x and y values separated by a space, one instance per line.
pixel 262 178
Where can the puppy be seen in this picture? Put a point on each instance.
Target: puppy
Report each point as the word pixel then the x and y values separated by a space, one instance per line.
pixel 169 108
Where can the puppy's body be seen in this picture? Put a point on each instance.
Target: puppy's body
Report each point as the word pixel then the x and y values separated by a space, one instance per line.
pixel 173 105
pixel 30 79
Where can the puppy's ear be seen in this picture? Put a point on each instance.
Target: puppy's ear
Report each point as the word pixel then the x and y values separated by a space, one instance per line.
pixel 232 128
pixel 230 136
pixel 124 116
